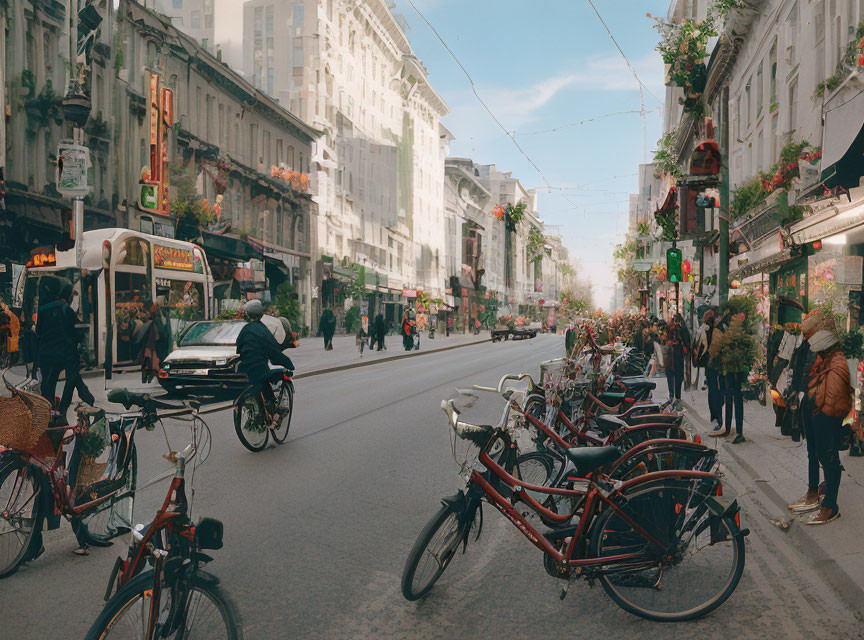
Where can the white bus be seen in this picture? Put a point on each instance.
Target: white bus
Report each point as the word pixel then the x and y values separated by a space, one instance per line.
pixel 123 274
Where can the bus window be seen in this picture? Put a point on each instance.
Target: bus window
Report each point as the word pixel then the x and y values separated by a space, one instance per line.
pixel 185 303
pixel 132 305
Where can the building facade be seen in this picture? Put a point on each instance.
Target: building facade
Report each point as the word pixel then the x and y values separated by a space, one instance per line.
pixel 348 69
pixel 196 18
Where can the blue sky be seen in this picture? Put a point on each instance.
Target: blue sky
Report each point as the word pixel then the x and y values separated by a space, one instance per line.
pixel 545 65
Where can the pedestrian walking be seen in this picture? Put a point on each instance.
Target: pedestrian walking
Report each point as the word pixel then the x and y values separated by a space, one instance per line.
pixel 74 381
pixel 379 331
pixel 408 329
pixel 733 355
pixel 825 401
pixel 327 327
pixel 449 325
pixel 676 341
pixel 709 333
pixel 154 339
pixel 55 337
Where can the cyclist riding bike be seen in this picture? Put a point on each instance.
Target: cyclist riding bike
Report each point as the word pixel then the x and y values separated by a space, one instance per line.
pixel 257 346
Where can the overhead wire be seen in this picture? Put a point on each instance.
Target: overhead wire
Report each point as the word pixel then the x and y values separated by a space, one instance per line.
pixel 477 95
pixel 576 124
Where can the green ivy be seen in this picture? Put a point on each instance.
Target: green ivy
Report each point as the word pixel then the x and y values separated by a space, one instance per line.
pixel 665 157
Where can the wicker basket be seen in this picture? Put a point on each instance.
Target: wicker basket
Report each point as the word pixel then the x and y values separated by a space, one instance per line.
pixel 16 425
pixel 89 471
pixel 40 410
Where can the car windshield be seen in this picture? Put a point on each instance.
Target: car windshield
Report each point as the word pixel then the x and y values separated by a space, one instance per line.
pixel 212 333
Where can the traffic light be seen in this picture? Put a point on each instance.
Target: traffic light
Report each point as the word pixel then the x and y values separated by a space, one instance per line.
pixel 673 265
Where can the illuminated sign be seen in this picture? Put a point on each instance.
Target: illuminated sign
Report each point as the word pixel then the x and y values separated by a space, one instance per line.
pixel 155 137
pixel 42 257
pixel 173 258
pixel 149 198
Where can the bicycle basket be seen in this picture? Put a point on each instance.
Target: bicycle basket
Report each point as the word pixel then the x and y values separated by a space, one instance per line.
pixel 23 419
pixel 209 532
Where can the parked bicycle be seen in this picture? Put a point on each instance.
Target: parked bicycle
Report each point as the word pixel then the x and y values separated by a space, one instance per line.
pixel 663 544
pixel 175 598
pixel 256 419
pixel 85 472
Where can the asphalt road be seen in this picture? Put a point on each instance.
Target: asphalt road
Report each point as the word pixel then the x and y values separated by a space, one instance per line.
pixel 317 530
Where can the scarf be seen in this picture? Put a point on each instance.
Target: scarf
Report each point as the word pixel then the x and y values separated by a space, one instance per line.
pixel 822 340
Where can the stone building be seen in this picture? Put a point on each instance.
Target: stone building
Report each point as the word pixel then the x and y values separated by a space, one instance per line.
pixel 346 67
pixel 196 18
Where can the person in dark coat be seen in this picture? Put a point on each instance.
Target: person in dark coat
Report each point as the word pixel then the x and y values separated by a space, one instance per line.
pixel 408 330
pixel 74 381
pixel 379 330
pixel 327 326
pixel 55 333
pixel 257 346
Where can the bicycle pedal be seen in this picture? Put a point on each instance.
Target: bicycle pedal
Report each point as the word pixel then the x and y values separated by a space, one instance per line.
pixel 564 591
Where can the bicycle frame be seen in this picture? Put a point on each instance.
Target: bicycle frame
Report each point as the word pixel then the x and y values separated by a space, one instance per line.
pixel 591 501
pixel 54 476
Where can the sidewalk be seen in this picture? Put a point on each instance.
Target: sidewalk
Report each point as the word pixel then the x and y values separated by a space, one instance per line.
pixel 777 467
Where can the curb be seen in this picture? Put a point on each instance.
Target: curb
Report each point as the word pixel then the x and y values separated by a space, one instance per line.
pixel 849 591
pixel 96 373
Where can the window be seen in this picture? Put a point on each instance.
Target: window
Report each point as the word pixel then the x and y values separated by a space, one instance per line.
pixel 270 80
pixel 738 119
pixel 269 20
pixel 775 139
pixel 290 159
pixel 748 101
pixel 278 151
pixel 297 57
pixel 267 158
pixel 196 19
pixel 760 92
pixel 793 105
pixel 298 15
pixel 177 4
pixel 760 150
pixel 772 82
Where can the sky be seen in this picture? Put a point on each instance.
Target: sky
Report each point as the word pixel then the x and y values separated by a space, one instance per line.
pixel 551 67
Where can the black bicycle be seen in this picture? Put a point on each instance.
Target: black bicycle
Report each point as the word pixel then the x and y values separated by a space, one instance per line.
pixel 255 422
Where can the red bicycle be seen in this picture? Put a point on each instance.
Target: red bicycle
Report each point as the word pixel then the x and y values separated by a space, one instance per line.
pixel 663 545
pixel 174 599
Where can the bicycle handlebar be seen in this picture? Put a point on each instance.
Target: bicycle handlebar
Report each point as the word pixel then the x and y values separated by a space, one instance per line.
pixel 515 378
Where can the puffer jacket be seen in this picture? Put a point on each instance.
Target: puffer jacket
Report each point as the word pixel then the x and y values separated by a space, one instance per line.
pixel 828 384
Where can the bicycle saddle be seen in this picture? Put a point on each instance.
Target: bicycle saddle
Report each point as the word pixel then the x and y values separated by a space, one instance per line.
pixel 609 423
pixel 144 400
pixel 588 459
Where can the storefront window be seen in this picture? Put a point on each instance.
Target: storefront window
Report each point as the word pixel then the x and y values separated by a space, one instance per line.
pixel 833 277
pixel 132 307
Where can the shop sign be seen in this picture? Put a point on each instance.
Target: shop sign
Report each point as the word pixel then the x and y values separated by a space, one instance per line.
pixel 42 257
pixel 642 265
pixel 73 162
pixel 175 259
pixel 409 293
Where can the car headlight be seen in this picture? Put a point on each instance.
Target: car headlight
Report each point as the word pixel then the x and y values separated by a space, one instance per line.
pixel 221 362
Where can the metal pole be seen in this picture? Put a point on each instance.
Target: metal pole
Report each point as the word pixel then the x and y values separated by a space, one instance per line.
pixel 723 244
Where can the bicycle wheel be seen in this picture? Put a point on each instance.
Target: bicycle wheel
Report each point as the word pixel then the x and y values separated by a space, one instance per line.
pixel 699 574
pixel 250 423
pixel 285 406
pixel 113 517
pixel 20 513
pixel 432 553
pixel 209 613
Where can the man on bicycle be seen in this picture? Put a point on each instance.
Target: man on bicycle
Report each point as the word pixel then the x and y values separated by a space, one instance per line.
pixel 257 346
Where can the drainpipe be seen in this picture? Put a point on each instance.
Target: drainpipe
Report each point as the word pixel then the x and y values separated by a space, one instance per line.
pixel 723 267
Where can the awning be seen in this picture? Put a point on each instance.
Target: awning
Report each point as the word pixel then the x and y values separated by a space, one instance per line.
pixel 289 257
pixel 226 246
pixel 839 218
pixel 843 138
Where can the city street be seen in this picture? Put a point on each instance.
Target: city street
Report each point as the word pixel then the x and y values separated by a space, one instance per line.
pixel 317 530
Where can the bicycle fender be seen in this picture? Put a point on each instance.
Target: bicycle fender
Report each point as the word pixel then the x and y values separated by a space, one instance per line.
pixel 458 501
pixel 207 579
pixel 51 519
pixel 729 511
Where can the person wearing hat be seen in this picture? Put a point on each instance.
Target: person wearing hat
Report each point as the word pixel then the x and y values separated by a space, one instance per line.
pixel 257 347
pixel 820 383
